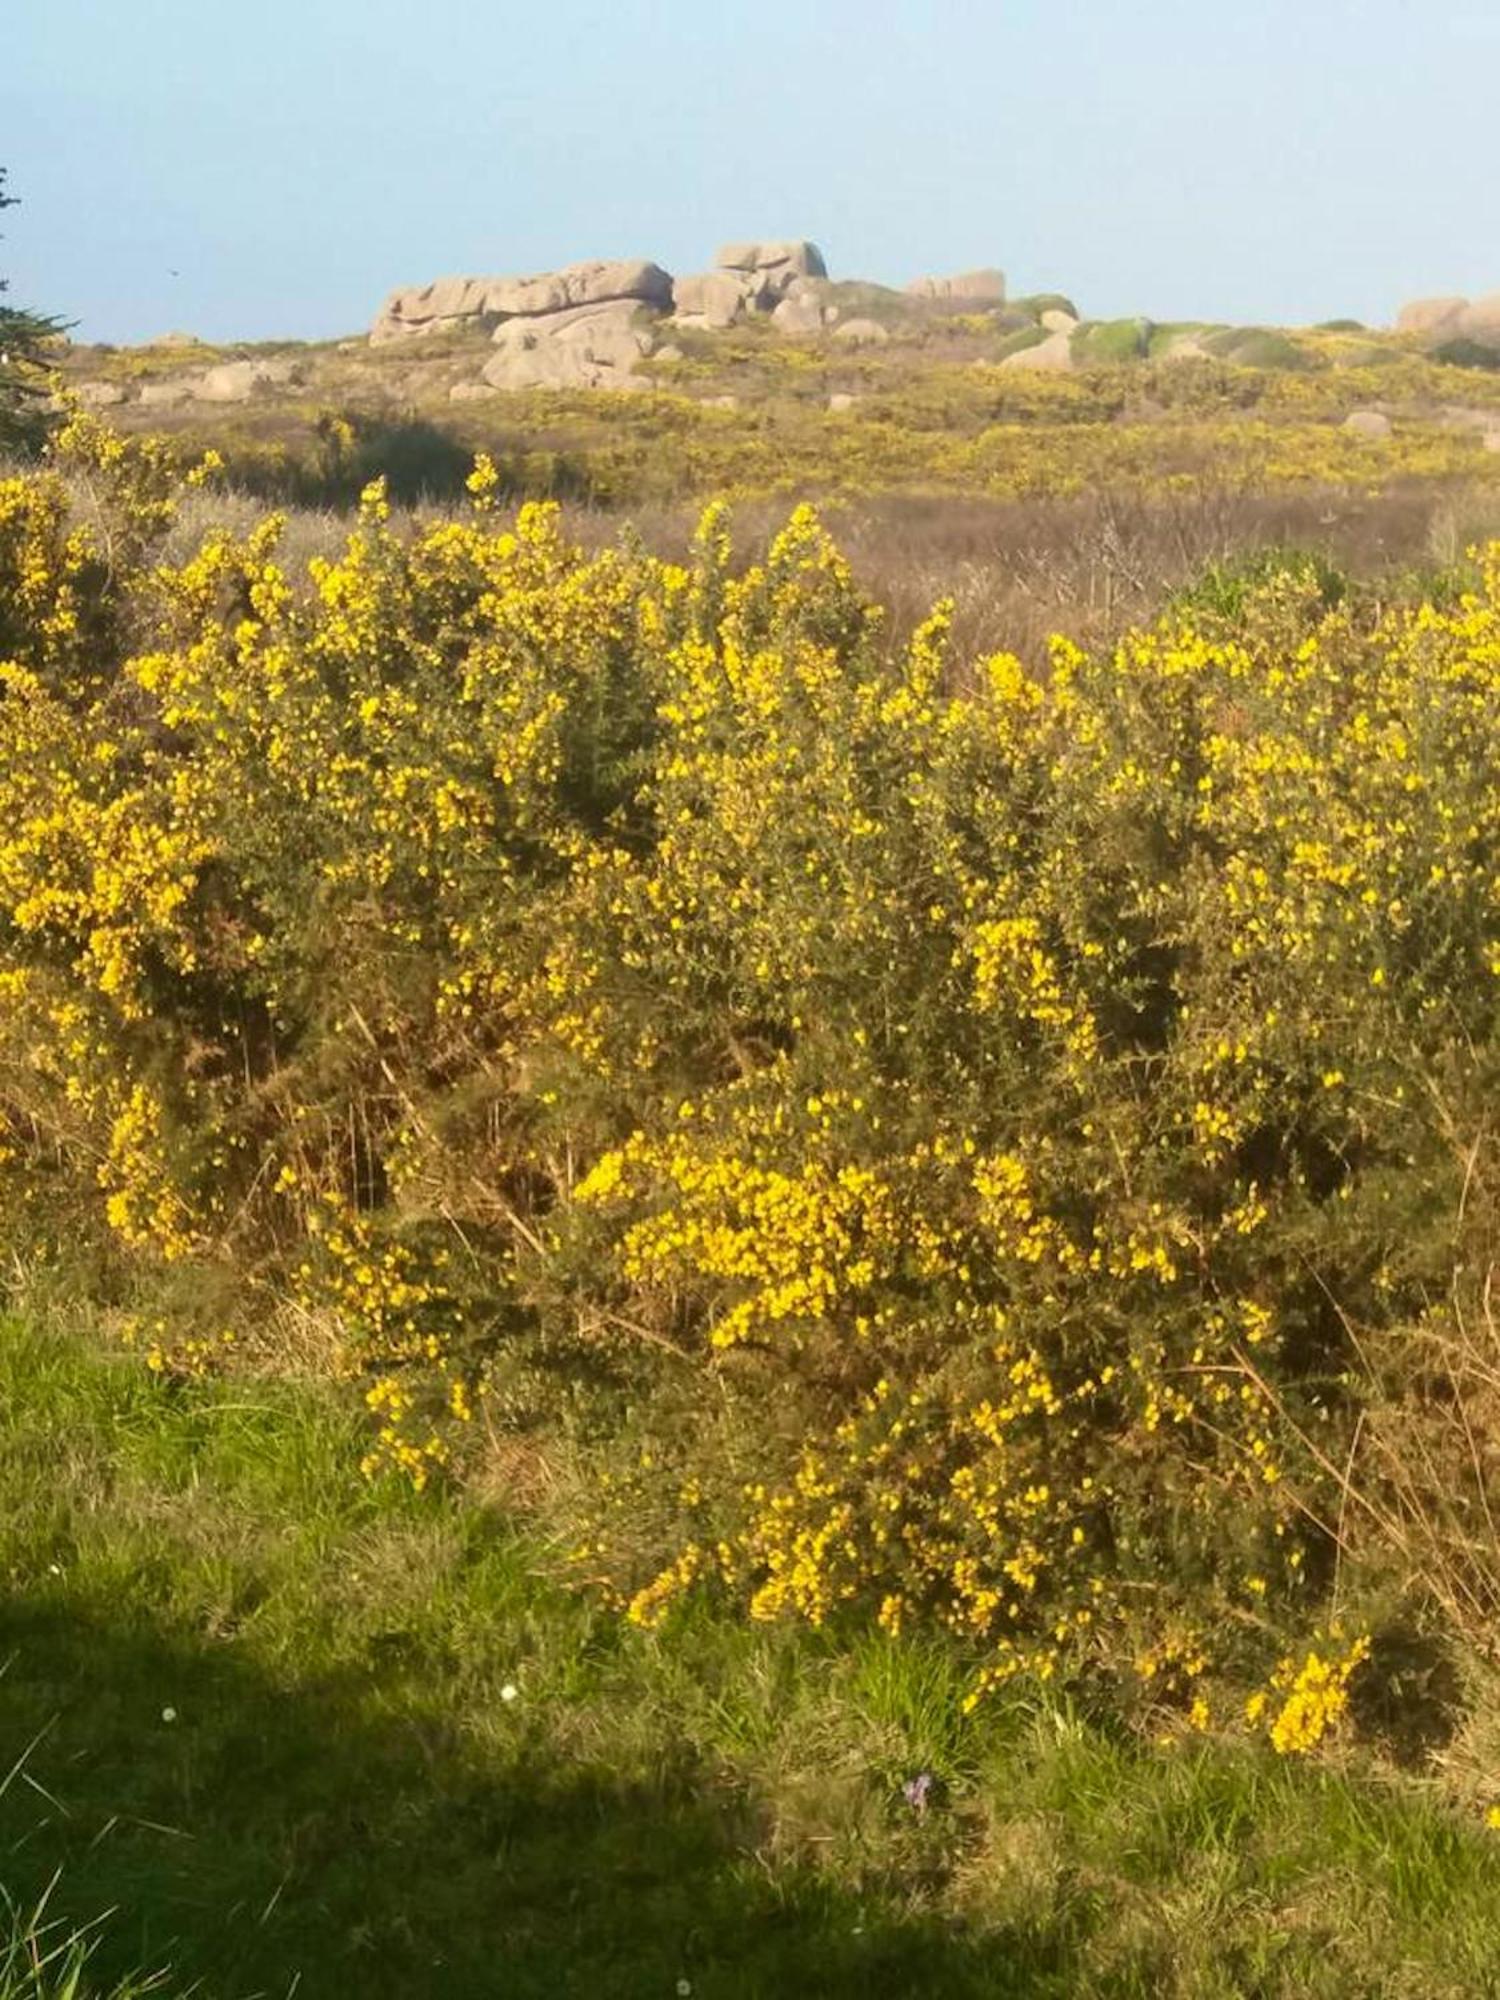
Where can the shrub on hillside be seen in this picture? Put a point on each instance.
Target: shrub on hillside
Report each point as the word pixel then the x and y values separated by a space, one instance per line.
pixel 1260 347
pixel 1465 353
pixel 926 1138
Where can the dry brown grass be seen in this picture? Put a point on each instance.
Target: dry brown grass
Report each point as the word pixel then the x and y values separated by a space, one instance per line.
pixel 1017 571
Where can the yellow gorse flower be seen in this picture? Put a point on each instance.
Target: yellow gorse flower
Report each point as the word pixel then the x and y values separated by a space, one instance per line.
pixel 912 1090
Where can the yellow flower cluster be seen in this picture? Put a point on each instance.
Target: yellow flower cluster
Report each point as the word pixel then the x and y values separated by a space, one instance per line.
pixel 1308 1698
pixel 937 1121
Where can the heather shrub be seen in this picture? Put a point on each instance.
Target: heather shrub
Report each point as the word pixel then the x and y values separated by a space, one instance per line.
pixel 904 1137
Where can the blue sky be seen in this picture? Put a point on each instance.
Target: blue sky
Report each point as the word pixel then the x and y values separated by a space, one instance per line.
pixel 274 169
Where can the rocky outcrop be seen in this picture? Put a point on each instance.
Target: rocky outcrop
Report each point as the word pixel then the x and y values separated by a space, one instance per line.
pixel 802 312
pixel 434 308
pixel 167 394
pixel 1055 352
pixel 861 333
pixel 98 395
pixel 769 270
pixel 483 303
pixel 582 347
pixel 965 288
pixel 228 382
pixel 1372 424
pixel 713 299
pixel 1437 321
pixel 1183 347
pixel 579 285
pixel 238 381
pixel 589 325
pixel 1481 321
pixel 752 278
pixel 1430 318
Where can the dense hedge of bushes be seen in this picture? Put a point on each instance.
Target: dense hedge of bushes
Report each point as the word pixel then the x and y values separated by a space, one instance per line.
pixel 890 1134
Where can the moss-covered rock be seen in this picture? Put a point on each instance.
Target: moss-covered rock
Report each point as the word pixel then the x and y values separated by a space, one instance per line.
pixel 1104 342
pixel 1258 347
pixel 1034 304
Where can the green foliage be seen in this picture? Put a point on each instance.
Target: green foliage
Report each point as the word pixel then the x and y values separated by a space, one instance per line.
pixel 1465 353
pixel 24 341
pixel 932 1141
pixel 1104 343
pixel 41 1959
pixel 1227 589
pixel 1259 347
pixel 419 463
pixel 1034 304
pixel 44 1956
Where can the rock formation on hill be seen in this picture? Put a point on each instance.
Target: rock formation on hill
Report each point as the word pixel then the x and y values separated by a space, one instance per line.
pixel 1438 321
pixel 1053 350
pixel 580 347
pixel 487 302
pixel 806 308
pixel 590 326
pixel 713 298
pixel 771 269
pixel 225 382
pixel 968 288
pixel 748 278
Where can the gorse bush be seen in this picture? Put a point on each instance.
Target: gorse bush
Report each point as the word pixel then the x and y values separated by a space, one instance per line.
pixel 908 1137
pixel 1226 589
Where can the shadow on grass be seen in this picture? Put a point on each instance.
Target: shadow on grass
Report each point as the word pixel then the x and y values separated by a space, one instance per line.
pixel 270 1840
pixel 422 464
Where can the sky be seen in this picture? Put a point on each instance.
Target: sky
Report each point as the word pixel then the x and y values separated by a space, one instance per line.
pixel 272 170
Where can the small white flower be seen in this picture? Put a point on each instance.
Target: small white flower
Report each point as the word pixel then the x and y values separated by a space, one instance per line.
pixel 169 1715
pixel 684 1987
pixel 509 1691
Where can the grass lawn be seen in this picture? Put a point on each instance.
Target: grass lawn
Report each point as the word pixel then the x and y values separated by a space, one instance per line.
pixel 302 1735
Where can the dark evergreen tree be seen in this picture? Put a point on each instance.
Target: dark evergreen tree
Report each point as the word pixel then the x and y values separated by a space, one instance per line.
pixel 24 339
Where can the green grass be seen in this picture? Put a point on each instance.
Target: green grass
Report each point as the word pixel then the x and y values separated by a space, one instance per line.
pixel 257 1715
